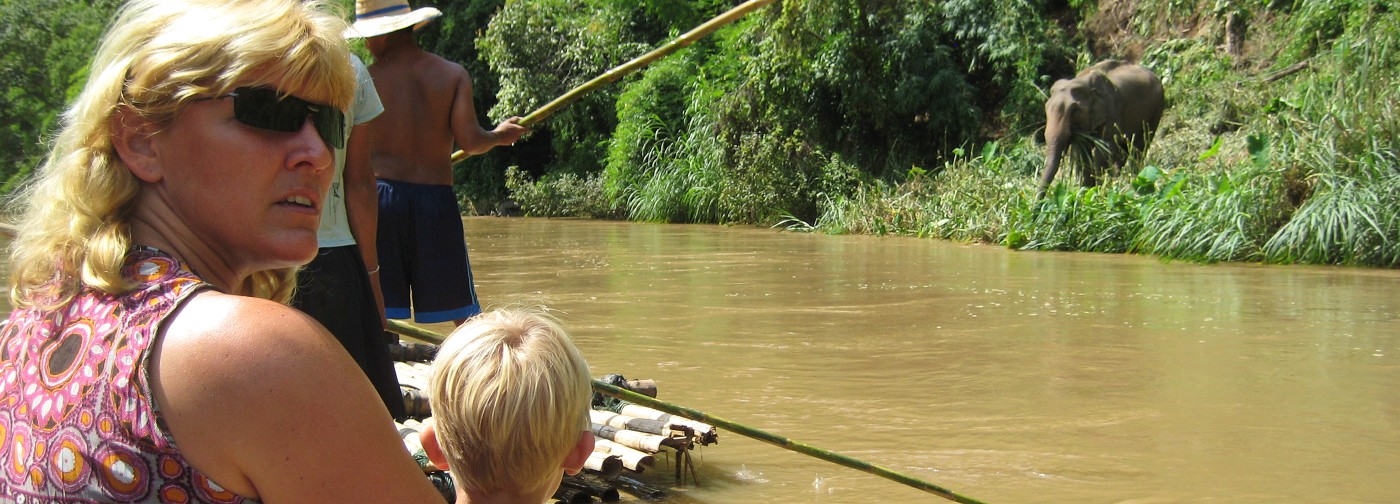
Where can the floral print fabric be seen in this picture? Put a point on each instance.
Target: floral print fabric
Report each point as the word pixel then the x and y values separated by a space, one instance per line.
pixel 77 421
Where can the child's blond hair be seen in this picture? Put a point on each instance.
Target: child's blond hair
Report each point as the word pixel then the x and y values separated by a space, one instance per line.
pixel 510 395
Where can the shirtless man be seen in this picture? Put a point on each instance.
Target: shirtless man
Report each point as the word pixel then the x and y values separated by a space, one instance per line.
pixel 427 107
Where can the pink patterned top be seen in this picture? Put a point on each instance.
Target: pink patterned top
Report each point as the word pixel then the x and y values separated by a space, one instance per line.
pixel 78 422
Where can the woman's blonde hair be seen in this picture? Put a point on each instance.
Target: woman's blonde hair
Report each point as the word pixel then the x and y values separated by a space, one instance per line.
pixel 73 225
pixel 510 396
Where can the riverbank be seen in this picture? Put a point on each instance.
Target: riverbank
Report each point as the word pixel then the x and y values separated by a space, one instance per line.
pixel 1287 152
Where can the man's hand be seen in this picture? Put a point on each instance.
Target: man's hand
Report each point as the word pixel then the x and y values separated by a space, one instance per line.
pixel 509 131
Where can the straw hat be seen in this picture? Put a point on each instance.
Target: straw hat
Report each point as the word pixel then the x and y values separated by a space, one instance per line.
pixel 378 17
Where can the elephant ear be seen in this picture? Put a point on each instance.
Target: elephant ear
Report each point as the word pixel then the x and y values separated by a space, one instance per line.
pixel 1103 108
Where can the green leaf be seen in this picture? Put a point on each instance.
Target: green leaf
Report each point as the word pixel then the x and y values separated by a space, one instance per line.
pixel 1146 181
pixel 1258 147
pixel 989 150
pixel 1214 148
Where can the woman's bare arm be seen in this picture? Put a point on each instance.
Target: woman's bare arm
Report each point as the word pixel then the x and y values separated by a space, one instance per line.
pixel 264 401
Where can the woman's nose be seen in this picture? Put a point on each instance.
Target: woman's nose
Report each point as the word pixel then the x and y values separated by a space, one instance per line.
pixel 311 148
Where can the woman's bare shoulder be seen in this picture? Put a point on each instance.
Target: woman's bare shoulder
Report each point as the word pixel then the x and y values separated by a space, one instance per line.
pixel 262 399
pixel 245 332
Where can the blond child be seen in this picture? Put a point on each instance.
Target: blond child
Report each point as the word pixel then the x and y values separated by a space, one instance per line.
pixel 510 396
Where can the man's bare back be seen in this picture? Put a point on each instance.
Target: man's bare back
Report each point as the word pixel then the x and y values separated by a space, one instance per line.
pixel 427 107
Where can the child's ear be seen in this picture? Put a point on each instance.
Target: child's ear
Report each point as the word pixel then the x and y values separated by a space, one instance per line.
pixel 573 463
pixel 428 437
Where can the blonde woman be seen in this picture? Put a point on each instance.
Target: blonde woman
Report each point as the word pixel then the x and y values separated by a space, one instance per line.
pixel 149 357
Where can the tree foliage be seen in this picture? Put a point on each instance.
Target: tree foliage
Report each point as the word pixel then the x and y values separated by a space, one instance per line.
pixel 542 49
pixel 44 51
pixel 801 100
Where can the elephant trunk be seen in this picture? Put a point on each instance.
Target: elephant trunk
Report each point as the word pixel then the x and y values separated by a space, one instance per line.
pixel 1056 142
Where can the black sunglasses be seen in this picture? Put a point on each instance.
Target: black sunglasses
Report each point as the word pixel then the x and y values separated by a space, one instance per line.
pixel 266 108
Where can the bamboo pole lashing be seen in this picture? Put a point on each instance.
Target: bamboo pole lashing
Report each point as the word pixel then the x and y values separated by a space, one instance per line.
pixel 415 402
pixel 638 488
pixel 412 352
pixel 705 433
pixel 646 425
pixel 651 443
pixel 571 495
pixel 594 484
pixel 411 442
pixel 635 64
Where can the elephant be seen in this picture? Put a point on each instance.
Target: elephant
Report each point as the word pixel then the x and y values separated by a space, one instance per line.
pixel 1118 102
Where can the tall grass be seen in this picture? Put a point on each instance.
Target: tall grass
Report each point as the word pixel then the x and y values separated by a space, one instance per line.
pixel 1345 134
pixel 1345 222
pixel 1221 215
pixel 1092 219
pixel 973 198
pixel 968 199
pixel 687 190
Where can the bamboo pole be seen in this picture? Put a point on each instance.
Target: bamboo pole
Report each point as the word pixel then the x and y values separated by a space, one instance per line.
pixel 613 75
pixel 632 458
pixel 415 332
pixel 646 425
pixel 781 442
pixel 607 464
pixel 704 433
pixel 744 430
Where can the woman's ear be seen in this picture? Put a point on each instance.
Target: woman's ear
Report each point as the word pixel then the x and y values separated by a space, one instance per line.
pixel 428 437
pixel 573 462
pixel 133 139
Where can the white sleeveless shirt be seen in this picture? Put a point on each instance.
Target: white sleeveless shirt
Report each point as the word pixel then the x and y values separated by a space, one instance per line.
pixel 335 222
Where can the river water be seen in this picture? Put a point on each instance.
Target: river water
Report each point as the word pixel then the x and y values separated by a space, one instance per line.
pixel 1009 377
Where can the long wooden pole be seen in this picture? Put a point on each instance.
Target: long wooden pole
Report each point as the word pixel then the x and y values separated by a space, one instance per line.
pixel 735 427
pixel 631 66
pixel 416 332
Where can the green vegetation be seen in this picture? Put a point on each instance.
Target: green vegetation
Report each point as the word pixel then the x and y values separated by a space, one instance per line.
pixel 914 117
pixel 1286 152
pixel 44 51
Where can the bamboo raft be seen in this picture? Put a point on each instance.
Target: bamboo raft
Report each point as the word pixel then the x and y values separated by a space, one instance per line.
pixel 629 437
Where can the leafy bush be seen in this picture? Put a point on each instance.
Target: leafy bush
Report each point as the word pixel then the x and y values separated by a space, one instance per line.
pixel 651 118
pixel 563 195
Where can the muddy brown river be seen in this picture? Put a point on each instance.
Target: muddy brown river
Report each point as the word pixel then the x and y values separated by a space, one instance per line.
pixel 1008 377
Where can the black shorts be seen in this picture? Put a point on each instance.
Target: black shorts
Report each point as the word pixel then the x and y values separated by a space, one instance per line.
pixel 335 290
pixel 423 254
